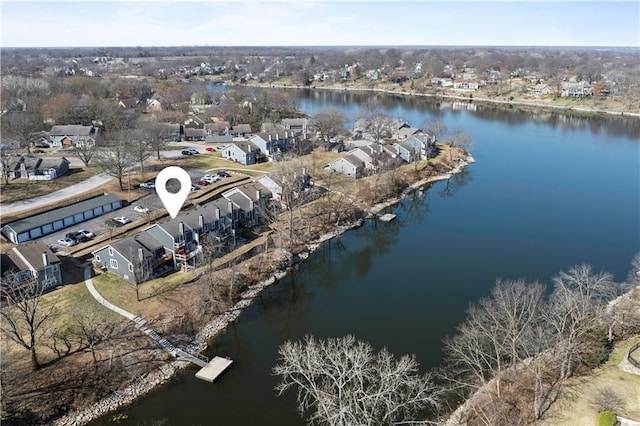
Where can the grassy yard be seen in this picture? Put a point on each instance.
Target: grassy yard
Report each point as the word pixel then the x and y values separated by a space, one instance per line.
pixel 574 407
pixel 22 189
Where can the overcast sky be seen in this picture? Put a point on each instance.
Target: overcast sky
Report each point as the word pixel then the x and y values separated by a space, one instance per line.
pixel 320 23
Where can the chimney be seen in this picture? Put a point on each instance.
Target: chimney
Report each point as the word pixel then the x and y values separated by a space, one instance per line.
pixel 140 254
pixel 217 213
pixel 286 135
pixel 269 137
pixel 181 228
pixel 277 136
pixel 258 194
pixel 201 221
pixel 231 209
pixel 45 259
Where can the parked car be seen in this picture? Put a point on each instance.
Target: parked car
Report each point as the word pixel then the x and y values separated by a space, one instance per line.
pixel 76 236
pixel 195 187
pixel 202 183
pixel 67 242
pixel 211 178
pixel 190 151
pixel 87 234
pixel 38 151
pixel 119 221
pixel 150 184
pixel 209 149
pixel 141 209
pixel 222 173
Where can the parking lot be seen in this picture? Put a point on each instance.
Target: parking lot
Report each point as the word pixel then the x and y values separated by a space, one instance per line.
pixel 100 224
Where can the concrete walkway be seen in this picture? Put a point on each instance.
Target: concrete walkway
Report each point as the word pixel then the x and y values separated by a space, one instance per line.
pixel 195 358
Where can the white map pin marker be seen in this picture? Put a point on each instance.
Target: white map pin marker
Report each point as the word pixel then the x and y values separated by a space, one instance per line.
pixel 173 202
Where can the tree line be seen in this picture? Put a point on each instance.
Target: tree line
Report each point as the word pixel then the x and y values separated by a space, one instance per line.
pixel 505 365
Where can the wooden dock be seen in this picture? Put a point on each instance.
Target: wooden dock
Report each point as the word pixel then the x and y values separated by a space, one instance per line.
pixel 214 368
pixel 388 217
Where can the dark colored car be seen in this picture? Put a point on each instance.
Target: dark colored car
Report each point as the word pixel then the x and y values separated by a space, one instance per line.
pixel 222 173
pixel 77 236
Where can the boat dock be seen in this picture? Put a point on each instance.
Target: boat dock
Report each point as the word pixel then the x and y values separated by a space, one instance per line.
pixel 388 217
pixel 214 368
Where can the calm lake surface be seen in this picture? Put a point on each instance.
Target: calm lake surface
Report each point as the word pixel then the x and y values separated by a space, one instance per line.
pixel 548 191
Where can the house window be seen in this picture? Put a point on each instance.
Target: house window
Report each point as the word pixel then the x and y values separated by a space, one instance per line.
pixel 130 267
pixel 110 251
pixel 97 258
pixel 114 264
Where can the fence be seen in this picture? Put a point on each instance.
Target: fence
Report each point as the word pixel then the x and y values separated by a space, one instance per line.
pixel 633 361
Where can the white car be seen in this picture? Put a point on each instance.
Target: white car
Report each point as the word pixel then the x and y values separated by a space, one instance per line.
pixel 211 178
pixel 67 242
pixel 121 220
pixel 141 209
pixel 86 234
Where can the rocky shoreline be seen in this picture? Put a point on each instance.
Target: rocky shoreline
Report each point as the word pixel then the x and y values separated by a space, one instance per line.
pixel 149 381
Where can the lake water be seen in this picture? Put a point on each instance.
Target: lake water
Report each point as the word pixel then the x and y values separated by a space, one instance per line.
pixel 547 191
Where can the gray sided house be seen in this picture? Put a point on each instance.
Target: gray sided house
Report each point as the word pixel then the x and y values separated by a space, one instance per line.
pixel 349 165
pixel 211 222
pixel 241 152
pixel 74 135
pixel 178 238
pixel 271 143
pixel 241 130
pixel 26 264
pixel 250 199
pixel 297 125
pixel 33 227
pixel 191 134
pixel 137 258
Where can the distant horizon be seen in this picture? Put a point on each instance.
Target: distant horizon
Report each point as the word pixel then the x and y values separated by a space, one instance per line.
pixel 408 46
pixel 285 23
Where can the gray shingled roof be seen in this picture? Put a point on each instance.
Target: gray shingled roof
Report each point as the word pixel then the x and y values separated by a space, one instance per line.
pixel 32 222
pixel 71 130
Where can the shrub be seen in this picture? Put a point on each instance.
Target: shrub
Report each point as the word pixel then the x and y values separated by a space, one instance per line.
pixel 607 418
pixel 606 399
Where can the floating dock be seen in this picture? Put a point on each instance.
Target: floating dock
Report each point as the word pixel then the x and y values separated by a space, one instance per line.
pixel 388 217
pixel 214 368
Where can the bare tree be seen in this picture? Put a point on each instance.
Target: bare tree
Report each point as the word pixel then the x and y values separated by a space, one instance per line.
pixel 84 152
pixel 21 127
pixel 116 158
pixel 330 122
pixel 377 123
pixel 576 309
pixel 6 161
pixel 92 324
pixel 138 143
pixel 25 319
pixel 343 382
pixel 434 127
pixel 155 134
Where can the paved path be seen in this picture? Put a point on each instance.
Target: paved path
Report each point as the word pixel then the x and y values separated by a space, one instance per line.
pixel 195 358
pixel 92 183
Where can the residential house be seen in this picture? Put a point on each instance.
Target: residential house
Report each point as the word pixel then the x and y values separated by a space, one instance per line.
pixel 174 132
pixel 136 258
pixel 576 90
pixel 269 127
pixel 465 84
pixel 35 168
pixel 26 265
pixel 250 200
pixel 178 239
pixel 74 135
pixel 217 128
pixel 422 145
pixel 296 125
pixel 401 150
pixel 442 81
pixel 241 130
pixel 156 103
pixel 404 131
pixel 129 103
pixel 349 165
pixel 242 152
pixel 541 89
pixel 301 182
pixel 191 134
pixel 373 155
pixel 271 144
pixel 36 226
